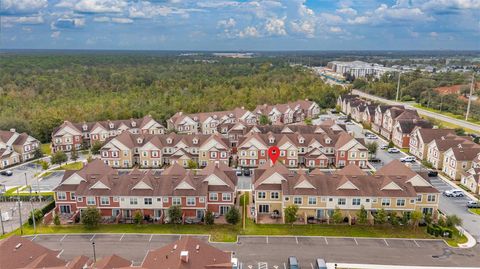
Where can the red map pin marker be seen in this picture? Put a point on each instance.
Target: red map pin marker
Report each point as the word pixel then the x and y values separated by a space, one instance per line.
pixel 273 153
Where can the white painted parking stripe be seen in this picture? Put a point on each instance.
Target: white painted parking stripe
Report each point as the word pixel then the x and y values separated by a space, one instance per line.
pixel 326 241
pixel 33 238
pixel 284 266
pixel 92 237
pixel 416 243
pixel 384 240
pixel 311 265
pixel 60 253
pixel 149 240
pixel 121 237
pixel 267 239
pixel 63 238
pixel 355 241
pixel 296 239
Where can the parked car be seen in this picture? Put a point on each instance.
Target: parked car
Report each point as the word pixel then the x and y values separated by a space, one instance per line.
pixel 349 123
pixel 393 150
pixel 192 221
pixel 453 193
pixel 7 173
pixel 374 160
pixel 320 264
pixel 246 172
pixel 384 147
pixel 342 117
pixel 293 263
pixel 432 173
pixel 238 172
pixel 408 159
pixel 473 204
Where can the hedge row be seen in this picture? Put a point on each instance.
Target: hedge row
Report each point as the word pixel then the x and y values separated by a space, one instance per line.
pixel 437 230
pixel 39 213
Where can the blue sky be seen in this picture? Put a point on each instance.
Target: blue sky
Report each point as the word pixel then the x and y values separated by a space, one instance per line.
pixel 241 24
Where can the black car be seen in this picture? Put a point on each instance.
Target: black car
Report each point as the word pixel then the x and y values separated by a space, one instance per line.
pixel 7 173
pixel 246 172
pixel 432 173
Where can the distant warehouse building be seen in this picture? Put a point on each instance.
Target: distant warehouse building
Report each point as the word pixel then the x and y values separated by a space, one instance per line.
pixel 359 68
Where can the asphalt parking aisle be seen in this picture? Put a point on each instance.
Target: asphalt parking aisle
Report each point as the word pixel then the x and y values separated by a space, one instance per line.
pixel 363 242
pixel 402 243
pixel 334 241
pixel 311 241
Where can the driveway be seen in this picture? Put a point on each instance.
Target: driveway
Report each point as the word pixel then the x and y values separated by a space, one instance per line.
pixel 257 251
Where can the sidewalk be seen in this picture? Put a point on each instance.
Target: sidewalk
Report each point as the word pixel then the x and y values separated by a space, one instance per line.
pixel 471 240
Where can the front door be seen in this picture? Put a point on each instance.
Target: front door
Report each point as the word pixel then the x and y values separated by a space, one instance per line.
pixel 65 209
pixel 320 214
pixel 115 212
pixel 224 209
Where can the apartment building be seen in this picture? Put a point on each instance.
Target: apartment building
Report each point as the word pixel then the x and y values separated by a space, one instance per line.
pixel 394 188
pixel 437 148
pixel 359 69
pixel 119 196
pixel 403 128
pixel 291 112
pixel 457 160
pixel 421 137
pixel 69 136
pixel 471 178
pixel 16 147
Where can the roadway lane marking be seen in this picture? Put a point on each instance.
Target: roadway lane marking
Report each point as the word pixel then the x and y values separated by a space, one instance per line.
pixel 267 239
pixel 416 243
pixel 150 240
pixel 33 238
pixel 356 243
pixel 121 237
pixel 92 237
pixel 296 239
pixel 63 238
pixel 284 266
pixel 311 265
pixel 326 241
pixel 60 253
pixel 384 240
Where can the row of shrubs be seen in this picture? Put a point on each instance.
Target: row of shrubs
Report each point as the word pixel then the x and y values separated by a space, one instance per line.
pixel 438 230
pixel 39 213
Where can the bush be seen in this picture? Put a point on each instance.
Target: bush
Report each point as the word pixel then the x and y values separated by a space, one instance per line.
pixel 38 216
pixel 56 220
pixel 337 216
pixel 97 145
pixel 390 144
pixel 437 231
pixel 59 157
pixel 233 215
pixel 175 214
pixel 91 217
pixel 380 217
pixel 209 218
pixel 291 214
pixel 452 221
pixel 362 215
pixel 138 217
pixel 37 154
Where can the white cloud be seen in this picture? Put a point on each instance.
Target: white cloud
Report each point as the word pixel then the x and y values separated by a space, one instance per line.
pixel 122 20
pixel 218 4
pixel 67 23
pixel 23 20
pixel 101 19
pixel 275 26
pixel 347 11
pixel 100 6
pixel 433 34
pixel 21 6
pixel 55 34
pixel 451 4
pixel 146 10
pixel 249 31
pixel 359 20
pixel 227 23
pixel 306 27
pixel 335 29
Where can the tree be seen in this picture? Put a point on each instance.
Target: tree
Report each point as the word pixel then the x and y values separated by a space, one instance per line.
pixel 37 154
pixel 175 214
pixel 91 217
pixel 138 217
pixel 209 218
pixel 74 155
pixel 416 217
pixel 291 214
pixel 337 216
pixel 308 121
pixel 192 164
pixel 56 220
pixel 233 215
pixel 44 165
pixel 264 120
pixel 97 145
pixel 89 158
pixel 360 83
pixel 393 219
pixel 380 217
pixel 362 215
pixel 452 221
pixel 390 144
pixel 460 131
pixel 372 148
pixel 37 213
pixel 59 157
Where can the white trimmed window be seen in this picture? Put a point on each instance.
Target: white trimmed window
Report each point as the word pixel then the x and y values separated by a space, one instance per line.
pixel 261 195
pixel 61 196
pixel 90 200
pixel 176 201
pixel 191 201
pixel 312 200
pixel 104 200
pixel 147 201
pixel 133 201
pixel 342 201
pixel 274 195
pixel 400 202
pixel 297 200
pixel 226 196
pixel 431 198
pixel 385 202
pixel 356 201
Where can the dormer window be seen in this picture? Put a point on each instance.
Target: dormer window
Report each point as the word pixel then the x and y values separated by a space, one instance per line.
pixel 169 140
pixel 328 140
pixel 195 141
pixel 139 140
pixel 301 140
pixel 85 127
pixel 271 140
pixel 111 125
pixel 195 118
pixel 134 124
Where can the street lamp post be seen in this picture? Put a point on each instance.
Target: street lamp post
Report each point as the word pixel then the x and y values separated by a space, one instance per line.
pixel 1 221
pixel 94 254
pixel 31 204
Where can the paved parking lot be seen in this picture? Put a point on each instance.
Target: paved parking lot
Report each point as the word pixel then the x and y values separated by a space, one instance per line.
pixel 11 208
pixel 258 251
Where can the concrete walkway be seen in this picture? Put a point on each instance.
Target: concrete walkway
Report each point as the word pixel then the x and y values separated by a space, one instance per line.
pixel 471 240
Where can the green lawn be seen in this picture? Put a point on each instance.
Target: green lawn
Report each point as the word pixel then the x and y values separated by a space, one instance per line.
pixel 71 166
pixel 455 116
pixel 475 210
pixel 46 150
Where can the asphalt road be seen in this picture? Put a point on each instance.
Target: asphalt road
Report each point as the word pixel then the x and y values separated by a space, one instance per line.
pixel 447 205
pixel 274 251
pixel 462 123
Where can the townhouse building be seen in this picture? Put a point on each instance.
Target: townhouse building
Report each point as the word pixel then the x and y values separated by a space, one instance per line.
pixel 421 137
pixel 69 136
pixel 393 188
pixel 290 112
pixel 378 120
pixel 457 160
pixel 208 122
pixel 343 100
pixel 119 196
pixel 471 178
pixel 403 128
pixel 437 148
pixel 16 147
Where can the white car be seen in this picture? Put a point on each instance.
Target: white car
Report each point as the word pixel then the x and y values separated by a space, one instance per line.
pixel 408 159
pixel 454 193
pixel 393 150
pixel 384 147
pixel 371 136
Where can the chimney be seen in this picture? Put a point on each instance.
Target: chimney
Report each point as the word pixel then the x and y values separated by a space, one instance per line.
pixel 180 113
pixel 184 256
pixel 243 107
pixel 12 130
pixel 217 164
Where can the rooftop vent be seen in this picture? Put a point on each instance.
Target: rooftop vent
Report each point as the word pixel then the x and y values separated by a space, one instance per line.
pixel 18 245
pixel 184 256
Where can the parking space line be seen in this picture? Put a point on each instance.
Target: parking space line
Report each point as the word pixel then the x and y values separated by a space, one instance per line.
pixel 266 239
pixel 384 240
pixel 121 237
pixel 284 266
pixel 311 265
pixel 416 243
pixel 356 243
pixel 63 238
pixel 60 253
pixel 150 240
pixel 92 237
pixel 33 238
pixel 326 241
pixel 296 239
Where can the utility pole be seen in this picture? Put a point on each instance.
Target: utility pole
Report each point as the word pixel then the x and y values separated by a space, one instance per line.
pixel 398 86
pixel 470 97
pixel 94 253
pixel 33 208
pixel 1 221
pixel 20 212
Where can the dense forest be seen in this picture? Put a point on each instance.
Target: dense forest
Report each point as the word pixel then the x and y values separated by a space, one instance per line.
pixel 419 87
pixel 39 91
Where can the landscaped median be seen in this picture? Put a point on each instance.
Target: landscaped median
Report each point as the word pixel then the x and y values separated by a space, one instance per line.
pixel 475 210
